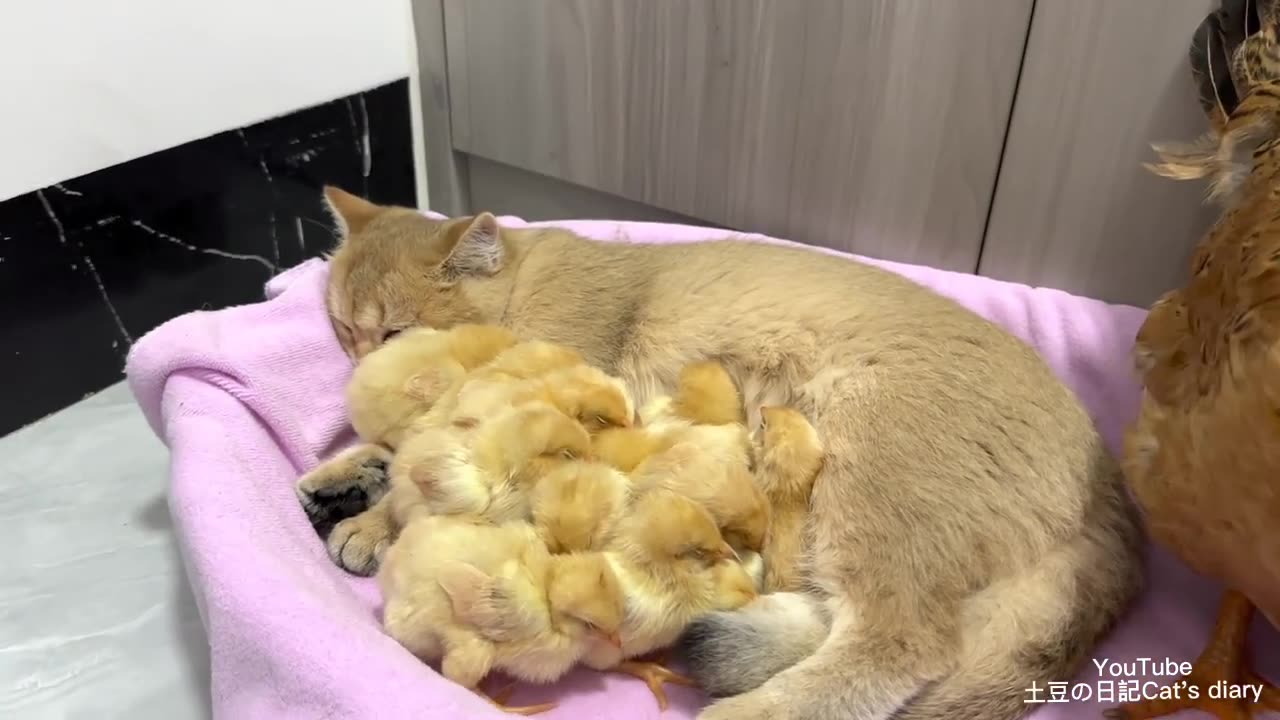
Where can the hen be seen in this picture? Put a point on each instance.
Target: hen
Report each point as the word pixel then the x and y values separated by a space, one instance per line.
pixel 1202 458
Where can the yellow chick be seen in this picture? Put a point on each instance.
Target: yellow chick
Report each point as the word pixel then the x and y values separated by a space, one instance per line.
pixel 696 443
pixel 395 385
pixel 487 472
pixel 789 456
pixel 707 395
pixel 488 388
pixel 706 408
pixel 577 507
pixel 723 485
pixel 672 565
pixel 588 394
pixel 480 597
pixel 625 448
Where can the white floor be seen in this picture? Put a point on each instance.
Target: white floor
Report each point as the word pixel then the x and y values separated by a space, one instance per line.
pixel 96 620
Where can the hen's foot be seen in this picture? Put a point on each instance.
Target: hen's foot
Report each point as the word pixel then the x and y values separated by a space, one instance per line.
pixel 655 676
pixel 1221 662
pixel 1270 696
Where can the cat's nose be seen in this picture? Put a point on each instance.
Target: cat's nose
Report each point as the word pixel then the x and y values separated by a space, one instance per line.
pixel 364 343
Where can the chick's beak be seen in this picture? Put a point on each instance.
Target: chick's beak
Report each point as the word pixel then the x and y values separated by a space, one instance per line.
pixel 727 552
pixel 614 638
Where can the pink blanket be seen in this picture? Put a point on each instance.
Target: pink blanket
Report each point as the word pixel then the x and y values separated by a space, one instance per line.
pixel 250 397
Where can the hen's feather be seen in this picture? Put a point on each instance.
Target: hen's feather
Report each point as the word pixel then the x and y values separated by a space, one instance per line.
pixel 1203 457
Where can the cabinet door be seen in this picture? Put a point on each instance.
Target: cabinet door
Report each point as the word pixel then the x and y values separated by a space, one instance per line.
pixel 873 126
pixel 1074 208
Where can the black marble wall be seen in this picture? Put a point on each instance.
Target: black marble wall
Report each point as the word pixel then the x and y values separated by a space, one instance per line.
pixel 90 264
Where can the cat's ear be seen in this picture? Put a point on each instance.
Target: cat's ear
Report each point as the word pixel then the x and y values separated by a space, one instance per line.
pixel 478 251
pixel 351 213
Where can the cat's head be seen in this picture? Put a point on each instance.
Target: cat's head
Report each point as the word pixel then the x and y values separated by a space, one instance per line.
pixel 395 269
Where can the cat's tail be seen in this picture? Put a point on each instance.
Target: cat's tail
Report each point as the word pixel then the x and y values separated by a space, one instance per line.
pixel 729 653
pixel 1017 635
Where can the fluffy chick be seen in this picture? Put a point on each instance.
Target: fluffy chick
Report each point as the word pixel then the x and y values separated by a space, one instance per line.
pixel 578 506
pixel 625 448
pixel 480 597
pixel 672 566
pixel 707 395
pixel 789 456
pixel 487 472
pixel 395 385
pixel 587 394
pixel 720 481
pixel 696 443
pixel 489 388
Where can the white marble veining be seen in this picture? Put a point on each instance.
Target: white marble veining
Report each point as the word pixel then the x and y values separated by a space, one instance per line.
pixel 96 619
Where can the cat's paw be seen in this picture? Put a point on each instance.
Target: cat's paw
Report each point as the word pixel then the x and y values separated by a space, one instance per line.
pixel 357 544
pixel 344 486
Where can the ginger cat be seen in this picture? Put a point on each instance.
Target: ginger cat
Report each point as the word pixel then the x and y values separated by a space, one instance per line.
pixel 969 534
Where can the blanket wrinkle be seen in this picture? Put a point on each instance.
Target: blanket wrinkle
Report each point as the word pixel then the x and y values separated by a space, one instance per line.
pixel 249 397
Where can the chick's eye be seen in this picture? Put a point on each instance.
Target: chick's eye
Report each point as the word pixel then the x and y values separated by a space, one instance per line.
pixel 388 334
pixel 694 553
pixel 568 454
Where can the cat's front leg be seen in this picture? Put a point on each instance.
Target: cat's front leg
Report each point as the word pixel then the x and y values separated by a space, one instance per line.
pixel 344 486
pixel 357 544
pixel 346 499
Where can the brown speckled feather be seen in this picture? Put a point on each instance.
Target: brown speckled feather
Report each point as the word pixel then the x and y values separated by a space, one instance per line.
pixel 1203 458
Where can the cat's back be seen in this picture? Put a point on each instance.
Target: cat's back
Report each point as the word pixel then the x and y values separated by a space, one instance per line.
pixel 766 298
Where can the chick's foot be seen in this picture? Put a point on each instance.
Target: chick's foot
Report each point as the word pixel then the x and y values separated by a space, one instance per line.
pixel 655 676
pixel 501 699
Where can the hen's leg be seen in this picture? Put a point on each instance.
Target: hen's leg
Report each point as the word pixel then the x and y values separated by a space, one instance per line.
pixel 1221 661
pixel 1270 698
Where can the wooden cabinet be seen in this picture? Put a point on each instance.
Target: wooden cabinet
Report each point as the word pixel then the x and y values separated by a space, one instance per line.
pixel 866 125
pixel 1074 208
pixel 977 136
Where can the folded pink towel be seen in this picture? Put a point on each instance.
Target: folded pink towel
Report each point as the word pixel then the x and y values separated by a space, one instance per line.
pixel 250 397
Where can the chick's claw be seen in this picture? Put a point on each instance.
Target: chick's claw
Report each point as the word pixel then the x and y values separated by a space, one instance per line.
pixel 655 676
pixel 501 699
